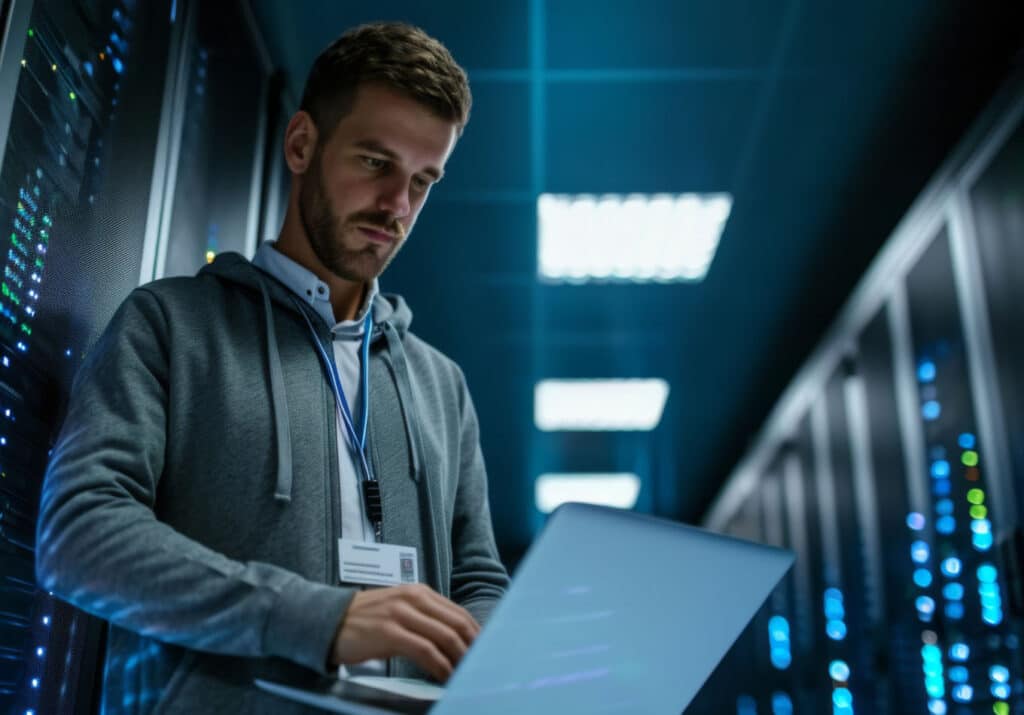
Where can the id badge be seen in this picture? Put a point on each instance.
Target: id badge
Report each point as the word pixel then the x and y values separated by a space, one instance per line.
pixel 377 564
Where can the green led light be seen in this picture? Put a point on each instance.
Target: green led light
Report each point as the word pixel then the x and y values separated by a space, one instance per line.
pixel 978 511
pixel 72 96
pixel 969 458
pixel 1001 708
pixel 31 32
pixel 25 329
pixel 976 496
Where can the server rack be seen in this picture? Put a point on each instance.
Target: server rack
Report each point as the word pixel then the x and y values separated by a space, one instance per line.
pixel 915 423
pixel 91 133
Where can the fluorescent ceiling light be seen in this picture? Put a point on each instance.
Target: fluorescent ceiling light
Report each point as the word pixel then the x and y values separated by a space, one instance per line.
pixel 619 490
pixel 635 237
pixel 599 405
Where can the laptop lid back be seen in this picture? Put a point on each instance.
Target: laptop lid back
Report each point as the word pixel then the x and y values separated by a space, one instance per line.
pixel 613 612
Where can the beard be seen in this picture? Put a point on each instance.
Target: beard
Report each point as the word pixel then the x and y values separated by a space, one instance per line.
pixel 327 232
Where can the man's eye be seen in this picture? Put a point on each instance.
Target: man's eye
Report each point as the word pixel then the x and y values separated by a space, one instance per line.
pixel 420 184
pixel 372 162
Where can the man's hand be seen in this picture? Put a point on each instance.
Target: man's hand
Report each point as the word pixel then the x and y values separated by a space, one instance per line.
pixel 411 621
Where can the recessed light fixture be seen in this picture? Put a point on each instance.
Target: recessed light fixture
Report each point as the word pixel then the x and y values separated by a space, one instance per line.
pixel 617 489
pixel 629 237
pixel 599 405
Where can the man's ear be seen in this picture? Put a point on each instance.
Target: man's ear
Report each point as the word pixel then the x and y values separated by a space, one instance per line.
pixel 300 138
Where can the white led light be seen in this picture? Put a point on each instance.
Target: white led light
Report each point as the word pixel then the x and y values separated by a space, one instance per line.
pixel 599 405
pixel 634 237
pixel 618 490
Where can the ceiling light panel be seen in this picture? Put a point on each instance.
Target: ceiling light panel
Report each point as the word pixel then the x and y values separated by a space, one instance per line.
pixel 664 238
pixel 599 405
pixel 617 490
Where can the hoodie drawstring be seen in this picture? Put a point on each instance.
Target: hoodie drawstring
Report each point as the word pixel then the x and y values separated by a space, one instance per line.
pixel 400 373
pixel 282 430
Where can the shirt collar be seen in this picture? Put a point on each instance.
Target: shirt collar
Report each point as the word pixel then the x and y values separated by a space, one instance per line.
pixel 307 287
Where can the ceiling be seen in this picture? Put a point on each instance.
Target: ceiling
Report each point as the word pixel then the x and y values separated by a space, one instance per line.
pixel 824 120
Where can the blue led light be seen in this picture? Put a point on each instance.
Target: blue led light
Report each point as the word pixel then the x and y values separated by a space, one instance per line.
pixel 952 567
pixel 926 371
pixel 987 573
pixel 931 410
pixel 945 525
pixel 954 611
pixel 834 606
pixel 935 687
pixel 842 698
pixel 990 600
pixel 942 487
pixel 923 578
pixel 963 693
pixel 919 552
pixel 958 674
pixel 925 605
pixel 967 441
pixel 836 630
pixel 931 654
pixel 778 628
pixel 982 542
pixel 118 65
pixel 940 469
pixel 40 652
pixel 89 69
pixel 992 616
pixel 937 707
pixel 746 705
pixel 839 670
pixel 35 682
pixel 999 674
pixel 944 507
pixel 1000 690
pixel 959 652
pixel 953 591
pixel 781 704
pixel 781 658
pixel 981 526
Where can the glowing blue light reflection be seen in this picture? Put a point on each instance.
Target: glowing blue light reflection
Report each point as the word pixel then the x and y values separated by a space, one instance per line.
pixel 944 507
pixel 919 552
pixel 953 591
pixel 923 578
pixel 959 652
pixel 940 469
pixel 999 674
pixel 931 410
pixel 963 693
pixel 952 567
pixel 958 674
pixel 839 670
pixel 926 371
pixel 967 441
pixel 915 521
pixel 945 525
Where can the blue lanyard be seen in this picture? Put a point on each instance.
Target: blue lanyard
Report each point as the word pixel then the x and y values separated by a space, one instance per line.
pixel 356 437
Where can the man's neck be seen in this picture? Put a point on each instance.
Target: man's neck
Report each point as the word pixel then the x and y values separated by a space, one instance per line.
pixel 346 298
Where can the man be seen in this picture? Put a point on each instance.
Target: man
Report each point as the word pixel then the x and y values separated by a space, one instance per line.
pixel 238 462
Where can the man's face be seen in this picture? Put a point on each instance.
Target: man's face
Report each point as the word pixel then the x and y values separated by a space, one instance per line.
pixel 364 189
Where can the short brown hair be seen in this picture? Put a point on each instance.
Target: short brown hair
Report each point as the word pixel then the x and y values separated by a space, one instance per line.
pixel 394 54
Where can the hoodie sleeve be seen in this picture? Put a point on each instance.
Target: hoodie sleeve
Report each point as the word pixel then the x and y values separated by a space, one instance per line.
pixel 478 577
pixel 101 547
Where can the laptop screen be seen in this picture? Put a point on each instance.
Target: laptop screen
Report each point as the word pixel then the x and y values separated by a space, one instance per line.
pixel 613 612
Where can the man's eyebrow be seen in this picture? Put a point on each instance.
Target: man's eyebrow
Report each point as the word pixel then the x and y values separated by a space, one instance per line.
pixel 377 148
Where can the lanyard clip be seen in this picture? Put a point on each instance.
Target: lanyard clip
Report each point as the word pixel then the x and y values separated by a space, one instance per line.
pixel 371 498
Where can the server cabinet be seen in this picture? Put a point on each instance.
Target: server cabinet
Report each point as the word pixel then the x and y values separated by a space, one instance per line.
pixel 82 86
pixel 222 101
pixel 975 644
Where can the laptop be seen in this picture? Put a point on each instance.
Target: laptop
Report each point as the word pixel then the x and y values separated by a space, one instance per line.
pixel 609 612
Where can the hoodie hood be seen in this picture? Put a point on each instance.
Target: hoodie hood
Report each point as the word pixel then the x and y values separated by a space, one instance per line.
pixel 232 267
pixel 391 320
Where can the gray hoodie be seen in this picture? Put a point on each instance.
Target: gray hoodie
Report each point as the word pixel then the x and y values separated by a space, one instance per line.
pixel 192 495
